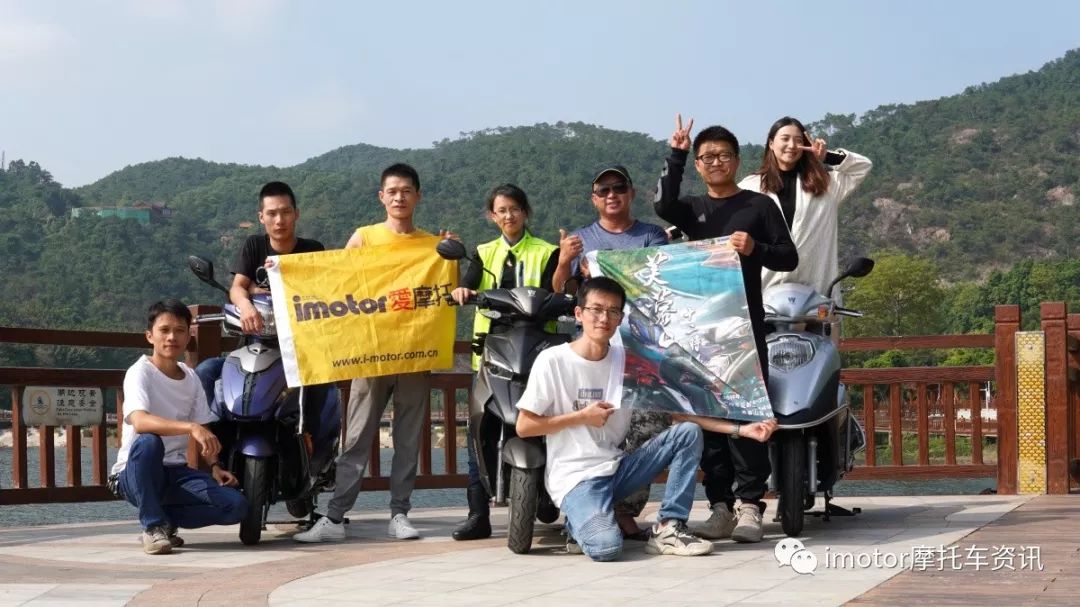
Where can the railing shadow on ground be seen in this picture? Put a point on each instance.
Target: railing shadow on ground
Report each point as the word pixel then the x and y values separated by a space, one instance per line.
pixel 934 408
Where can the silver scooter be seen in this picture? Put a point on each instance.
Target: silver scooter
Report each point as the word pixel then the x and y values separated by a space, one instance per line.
pixel 818 437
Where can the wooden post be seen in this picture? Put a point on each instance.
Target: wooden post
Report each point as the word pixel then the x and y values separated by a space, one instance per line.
pixel 18 441
pixel 923 424
pixel 975 405
pixel 1057 396
pixel 868 423
pixel 205 338
pixel 450 429
pixel 74 456
pixel 896 422
pixel 1006 324
pixel 948 418
pixel 1073 347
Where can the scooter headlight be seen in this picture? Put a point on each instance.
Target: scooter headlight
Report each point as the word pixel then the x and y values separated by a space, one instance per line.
pixel 499 371
pixel 790 352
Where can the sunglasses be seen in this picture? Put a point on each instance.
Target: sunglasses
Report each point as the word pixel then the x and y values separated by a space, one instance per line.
pixel 618 188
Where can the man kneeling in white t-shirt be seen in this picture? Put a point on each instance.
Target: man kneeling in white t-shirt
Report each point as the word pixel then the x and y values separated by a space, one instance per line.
pixel 164 404
pixel 567 399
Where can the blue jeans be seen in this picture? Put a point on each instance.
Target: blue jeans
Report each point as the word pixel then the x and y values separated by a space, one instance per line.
pixel 589 509
pixel 209 371
pixel 175 495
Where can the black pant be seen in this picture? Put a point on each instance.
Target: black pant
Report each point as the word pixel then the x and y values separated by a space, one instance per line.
pixel 742 462
pixel 739 462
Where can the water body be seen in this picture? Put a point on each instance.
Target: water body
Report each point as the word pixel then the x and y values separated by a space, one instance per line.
pixel 49 514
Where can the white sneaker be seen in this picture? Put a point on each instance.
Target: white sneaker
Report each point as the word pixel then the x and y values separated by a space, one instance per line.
pixel 719 524
pixel 400 528
pixel 748 529
pixel 324 530
pixel 675 539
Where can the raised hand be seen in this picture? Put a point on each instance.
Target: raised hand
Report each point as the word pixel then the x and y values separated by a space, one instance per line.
pixel 817 147
pixel 743 243
pixel 597 414
pixel 570 246
pixel 680 139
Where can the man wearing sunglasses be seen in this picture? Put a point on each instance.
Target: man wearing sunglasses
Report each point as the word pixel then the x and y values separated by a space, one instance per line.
pixel 760 235
pixel 615 227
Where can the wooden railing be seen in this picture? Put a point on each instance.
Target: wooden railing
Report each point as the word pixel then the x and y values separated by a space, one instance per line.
pixel 892 404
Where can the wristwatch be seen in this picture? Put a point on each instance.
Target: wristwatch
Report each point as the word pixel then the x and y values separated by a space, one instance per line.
pixel 738 426
pixel 216 464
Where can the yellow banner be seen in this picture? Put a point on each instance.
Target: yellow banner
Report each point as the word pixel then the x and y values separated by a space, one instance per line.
pixel 376 310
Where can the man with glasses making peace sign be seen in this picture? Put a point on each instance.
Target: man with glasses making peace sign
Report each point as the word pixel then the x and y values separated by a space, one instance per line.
pixel 760 235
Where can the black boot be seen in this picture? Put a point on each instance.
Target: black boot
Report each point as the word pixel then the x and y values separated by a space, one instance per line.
pixel 478 525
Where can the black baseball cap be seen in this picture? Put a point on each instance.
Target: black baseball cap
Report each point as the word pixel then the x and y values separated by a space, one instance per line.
pixel 615 168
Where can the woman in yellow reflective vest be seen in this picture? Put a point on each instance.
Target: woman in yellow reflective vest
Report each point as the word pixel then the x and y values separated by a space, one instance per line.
pixel 519 259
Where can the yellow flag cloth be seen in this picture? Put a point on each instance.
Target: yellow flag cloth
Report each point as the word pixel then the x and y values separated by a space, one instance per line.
pixel 375 310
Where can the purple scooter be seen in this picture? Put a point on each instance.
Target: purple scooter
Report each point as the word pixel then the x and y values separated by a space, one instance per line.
pixel 280 442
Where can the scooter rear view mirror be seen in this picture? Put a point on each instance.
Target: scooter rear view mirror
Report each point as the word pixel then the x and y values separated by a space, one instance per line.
pixel 860 267
pixel 204 269
pixel 201 267
pixel 450 249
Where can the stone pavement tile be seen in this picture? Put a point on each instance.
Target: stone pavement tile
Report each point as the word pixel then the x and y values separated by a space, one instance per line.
pixel 19 593
pixel 691 599
pixel 83 592
pixel 486 597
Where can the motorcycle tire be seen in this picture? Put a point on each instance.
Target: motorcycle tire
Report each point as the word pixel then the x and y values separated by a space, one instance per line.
pixel 792 484
pixel 256 488
pixel 524 498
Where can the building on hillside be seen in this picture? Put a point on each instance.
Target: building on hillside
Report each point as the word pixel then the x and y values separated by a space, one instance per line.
pixel 143 212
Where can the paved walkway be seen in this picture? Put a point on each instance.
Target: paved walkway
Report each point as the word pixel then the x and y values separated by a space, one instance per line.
pixel 102 563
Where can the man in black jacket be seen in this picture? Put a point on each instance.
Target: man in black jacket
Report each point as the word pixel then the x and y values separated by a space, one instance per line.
pixel 758 232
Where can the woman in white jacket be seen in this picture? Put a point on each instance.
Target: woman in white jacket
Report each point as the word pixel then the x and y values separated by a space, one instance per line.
pixel 808 182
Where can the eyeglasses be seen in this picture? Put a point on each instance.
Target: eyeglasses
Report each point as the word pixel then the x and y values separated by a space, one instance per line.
pixel 598 312
pixel 508 212
pixel 618 188
pixel 724 157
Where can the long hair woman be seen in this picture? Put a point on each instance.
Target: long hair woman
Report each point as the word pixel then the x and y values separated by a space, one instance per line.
pixel 809 182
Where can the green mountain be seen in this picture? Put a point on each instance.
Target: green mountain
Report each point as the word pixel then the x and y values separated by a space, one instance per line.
pixel 975 182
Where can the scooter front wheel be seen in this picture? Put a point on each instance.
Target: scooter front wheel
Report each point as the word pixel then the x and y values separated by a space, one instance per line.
pixel 256 487
pixel 792 483
pixel 524 498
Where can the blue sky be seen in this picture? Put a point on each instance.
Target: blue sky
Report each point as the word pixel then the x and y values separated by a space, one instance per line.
pixel 88 87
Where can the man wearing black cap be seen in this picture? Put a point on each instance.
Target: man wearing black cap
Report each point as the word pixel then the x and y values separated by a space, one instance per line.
pixel 615 228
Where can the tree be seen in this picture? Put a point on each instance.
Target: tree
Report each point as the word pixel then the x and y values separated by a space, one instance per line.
pixel 902 296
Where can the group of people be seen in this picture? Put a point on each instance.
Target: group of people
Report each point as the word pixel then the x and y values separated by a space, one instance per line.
pixel 782 220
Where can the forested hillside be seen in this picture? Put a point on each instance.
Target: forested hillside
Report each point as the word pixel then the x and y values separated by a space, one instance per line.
pixel 973 197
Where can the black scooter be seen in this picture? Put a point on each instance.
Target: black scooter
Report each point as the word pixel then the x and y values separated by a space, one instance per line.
pixel 507 353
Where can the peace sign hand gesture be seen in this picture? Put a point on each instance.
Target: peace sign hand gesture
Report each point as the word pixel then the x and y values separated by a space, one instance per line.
pixel 680 139
pixel 817 147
